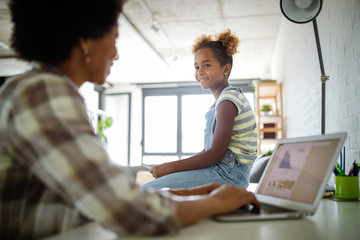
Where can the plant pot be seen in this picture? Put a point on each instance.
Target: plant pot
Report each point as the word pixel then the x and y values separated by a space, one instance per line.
pixel 268 113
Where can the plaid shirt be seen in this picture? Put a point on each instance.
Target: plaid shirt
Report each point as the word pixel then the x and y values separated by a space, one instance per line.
pixel 54 172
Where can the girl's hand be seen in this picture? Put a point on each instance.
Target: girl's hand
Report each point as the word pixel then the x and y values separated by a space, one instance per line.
pixel 161 170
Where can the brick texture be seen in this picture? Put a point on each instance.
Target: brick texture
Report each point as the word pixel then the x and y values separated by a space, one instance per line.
pixel 296 64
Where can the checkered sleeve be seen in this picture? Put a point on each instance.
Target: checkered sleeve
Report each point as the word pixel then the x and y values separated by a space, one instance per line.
pixel 59 145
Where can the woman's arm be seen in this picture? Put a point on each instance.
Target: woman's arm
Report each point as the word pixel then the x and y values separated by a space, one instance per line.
pixel 69 159
pixel 226 113
pixel 205 189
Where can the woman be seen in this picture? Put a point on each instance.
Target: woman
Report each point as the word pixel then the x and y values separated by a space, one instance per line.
pixel 54 173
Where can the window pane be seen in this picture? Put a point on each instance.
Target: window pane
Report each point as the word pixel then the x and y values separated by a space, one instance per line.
pixel 160 118
pixel 194 108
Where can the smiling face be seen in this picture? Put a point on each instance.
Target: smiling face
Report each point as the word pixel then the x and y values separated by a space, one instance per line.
pixel 102 53
pixel 209 73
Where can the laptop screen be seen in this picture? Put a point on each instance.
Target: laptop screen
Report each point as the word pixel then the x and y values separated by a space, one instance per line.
pixel 297 169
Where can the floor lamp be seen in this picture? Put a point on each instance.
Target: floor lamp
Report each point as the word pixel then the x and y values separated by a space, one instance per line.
pixel 304 11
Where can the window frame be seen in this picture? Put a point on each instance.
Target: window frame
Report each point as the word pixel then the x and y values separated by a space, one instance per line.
pixel 179 90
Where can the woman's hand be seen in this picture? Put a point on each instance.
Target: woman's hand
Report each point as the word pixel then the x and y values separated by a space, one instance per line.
pixel 228 198
pixel 221 199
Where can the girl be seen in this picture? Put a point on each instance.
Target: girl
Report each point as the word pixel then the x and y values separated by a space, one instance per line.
pixel 230 134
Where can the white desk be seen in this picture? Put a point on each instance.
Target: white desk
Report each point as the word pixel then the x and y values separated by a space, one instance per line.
pixel 332 221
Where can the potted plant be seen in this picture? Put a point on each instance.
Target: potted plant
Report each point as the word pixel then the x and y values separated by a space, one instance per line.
pixel 104 123
pixel 266 109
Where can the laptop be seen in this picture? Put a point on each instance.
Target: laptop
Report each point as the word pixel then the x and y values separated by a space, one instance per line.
pixel 294 179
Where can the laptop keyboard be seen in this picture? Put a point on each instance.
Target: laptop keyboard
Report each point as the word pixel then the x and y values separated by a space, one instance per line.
pixel 264 209
pixel 273 209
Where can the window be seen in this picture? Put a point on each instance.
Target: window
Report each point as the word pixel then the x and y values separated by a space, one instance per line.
pixel 174 121
pixel 160 130
pixel 193 109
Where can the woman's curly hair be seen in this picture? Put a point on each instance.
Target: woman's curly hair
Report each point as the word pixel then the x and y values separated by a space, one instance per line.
pixel 224 46
pixel 47 30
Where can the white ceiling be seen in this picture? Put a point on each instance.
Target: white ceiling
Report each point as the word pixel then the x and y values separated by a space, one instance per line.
pixel 147 55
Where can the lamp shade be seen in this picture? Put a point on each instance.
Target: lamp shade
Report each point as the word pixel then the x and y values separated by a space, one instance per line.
pixel 300 11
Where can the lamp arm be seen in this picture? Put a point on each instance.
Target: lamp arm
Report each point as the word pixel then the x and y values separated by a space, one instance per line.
pixel 323 75
pixel 324 78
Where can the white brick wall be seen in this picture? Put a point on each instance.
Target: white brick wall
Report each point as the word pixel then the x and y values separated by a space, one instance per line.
pixel 297 66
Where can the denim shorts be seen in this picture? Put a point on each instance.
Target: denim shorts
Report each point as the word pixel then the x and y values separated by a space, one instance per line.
pixel 228 171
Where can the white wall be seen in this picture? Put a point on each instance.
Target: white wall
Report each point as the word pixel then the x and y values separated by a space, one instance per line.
pixel 296 64
pixel 138 62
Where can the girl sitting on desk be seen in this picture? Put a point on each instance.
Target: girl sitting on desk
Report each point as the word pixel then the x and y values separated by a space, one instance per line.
pixel 230 134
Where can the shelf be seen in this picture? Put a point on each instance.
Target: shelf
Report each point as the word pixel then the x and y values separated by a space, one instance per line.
pixel 270 116
pixel 270 127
